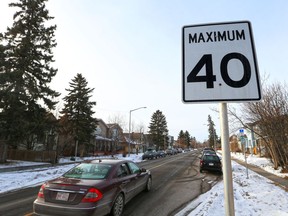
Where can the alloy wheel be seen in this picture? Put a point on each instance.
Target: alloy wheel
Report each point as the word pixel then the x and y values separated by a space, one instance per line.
pixel 118 205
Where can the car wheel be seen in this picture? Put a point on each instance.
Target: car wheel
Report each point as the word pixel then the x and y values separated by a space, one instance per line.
pixel 118 205
pixel 148 184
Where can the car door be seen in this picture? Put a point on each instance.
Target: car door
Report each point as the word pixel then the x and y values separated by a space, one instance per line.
pixel 126 181
pixel 140 178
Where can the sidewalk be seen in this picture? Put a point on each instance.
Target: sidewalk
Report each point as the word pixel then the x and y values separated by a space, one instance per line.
pixel 282 182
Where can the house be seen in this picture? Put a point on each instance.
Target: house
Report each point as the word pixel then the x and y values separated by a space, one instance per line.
pixel 248 140
pixel 109 139
pixel 139 142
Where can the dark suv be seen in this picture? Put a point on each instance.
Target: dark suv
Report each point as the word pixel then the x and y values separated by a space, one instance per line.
pixel 149 154
pixel 210 162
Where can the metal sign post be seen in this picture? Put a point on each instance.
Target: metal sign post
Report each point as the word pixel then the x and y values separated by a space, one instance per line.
pixel 226 158
pixel 246 144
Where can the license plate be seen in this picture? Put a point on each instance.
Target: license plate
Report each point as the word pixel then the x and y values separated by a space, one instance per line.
pixel 211 164
pixel 62 196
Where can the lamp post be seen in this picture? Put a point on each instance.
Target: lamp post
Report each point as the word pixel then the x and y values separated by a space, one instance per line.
pixel 129 141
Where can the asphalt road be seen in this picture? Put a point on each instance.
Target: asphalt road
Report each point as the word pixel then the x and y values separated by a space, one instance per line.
pixel 176 182
pixel 18 203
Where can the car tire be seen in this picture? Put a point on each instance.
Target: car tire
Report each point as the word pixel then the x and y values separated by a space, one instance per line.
pixel 148 184
pixel 118 205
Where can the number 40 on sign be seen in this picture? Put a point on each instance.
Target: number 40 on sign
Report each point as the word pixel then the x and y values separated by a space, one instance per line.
pixel 219 63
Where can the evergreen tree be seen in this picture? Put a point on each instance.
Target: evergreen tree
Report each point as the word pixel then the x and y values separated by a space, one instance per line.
pixel 212 136
pixel 187 138
pixel 181 137
pixel 78 110
pixel 184 138
pixel 158 130
pixel 26 72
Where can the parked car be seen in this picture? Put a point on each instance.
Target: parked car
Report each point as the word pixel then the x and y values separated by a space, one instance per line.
pixel 210 162
pixel 208 152
pixel 98 187
pixel 169 152
pixel 208 148
pixel 150 154
pixel 161 153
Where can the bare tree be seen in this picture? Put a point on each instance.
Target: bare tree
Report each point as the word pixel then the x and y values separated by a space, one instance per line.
pixel 271 117
pixel 141 127
pixel 118 119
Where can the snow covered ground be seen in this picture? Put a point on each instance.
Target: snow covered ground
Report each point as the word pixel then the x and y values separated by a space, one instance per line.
pixel 255 196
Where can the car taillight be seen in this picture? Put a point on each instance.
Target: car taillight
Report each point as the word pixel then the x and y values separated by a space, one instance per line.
pixel 201 162
pixel 41 191
pixel 93 195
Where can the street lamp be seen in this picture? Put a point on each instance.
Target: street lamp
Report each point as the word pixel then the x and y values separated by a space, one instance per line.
pixel 129 141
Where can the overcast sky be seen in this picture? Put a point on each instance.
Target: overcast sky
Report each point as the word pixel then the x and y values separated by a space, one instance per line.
pixel 130 51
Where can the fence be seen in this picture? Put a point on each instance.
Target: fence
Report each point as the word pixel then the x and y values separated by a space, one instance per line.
pixel 36 156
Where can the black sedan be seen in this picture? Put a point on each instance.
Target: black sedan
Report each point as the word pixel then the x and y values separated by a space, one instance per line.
pixel 97 187
pixel 210 162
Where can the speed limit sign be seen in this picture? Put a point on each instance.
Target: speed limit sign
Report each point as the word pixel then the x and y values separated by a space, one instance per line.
pixel 219 63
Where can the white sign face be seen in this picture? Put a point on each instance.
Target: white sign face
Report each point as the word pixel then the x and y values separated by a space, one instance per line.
pixel 219 63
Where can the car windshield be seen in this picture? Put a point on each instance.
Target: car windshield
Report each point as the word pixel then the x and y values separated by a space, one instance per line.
pixel 211 158
pixel 89 171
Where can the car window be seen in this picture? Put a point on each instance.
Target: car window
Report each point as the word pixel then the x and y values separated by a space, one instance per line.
pixel 208 152
pixel 89 171
pixel 123 170
pixel 134 168
pixel 211 158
